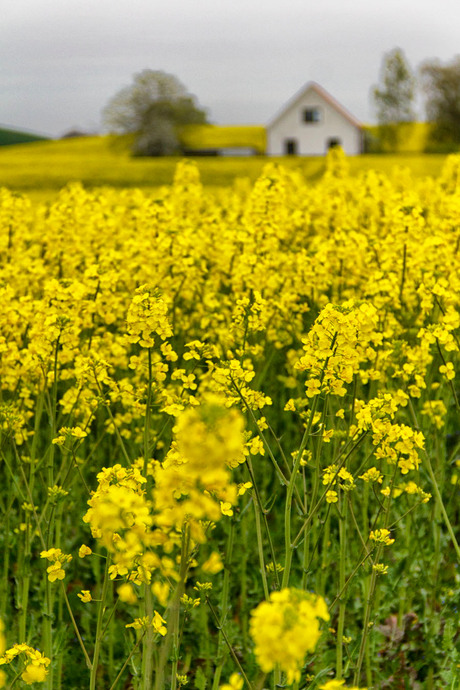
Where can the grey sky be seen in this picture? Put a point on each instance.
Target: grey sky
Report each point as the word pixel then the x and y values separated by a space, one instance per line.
pixel 61 60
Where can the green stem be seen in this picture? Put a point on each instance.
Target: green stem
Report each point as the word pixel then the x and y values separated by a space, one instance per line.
pixel 148 645
pixel 223 607
pixel 47 630
pixel 353 517
pixel 362 560
pixel 227 642
pixel 75 627
pixel 6 563
pixel 115 427
pixel 99 629
pixel 49 615
pixel 367 615
pixel 442 507
pixel 25 582
pixel 306 542
pixel 53 417
pixel 263 512
pixel 288 547
pixel 172 617
pixel 120 673
pixel 147 413
pixel 438 493
pixel 260 433
pixel 260 548
pixel 449 381
pixel 342 600
pixel 315 509
pixel 371 590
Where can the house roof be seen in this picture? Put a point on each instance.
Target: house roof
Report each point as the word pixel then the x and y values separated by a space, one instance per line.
pixel 313 86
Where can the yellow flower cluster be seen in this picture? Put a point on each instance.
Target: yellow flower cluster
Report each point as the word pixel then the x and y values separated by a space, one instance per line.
pixel 56 570
pixel 382 536
pixel 285 628
pixel 395 443
pixel 64 434
pixel 121 518
pixel 147 316
pixel 235 683
pixel 35 670
pixel 194 483
pixel 331 476
pixel 372 475
pixel 156 622
pixel 338 344
pixel 191 486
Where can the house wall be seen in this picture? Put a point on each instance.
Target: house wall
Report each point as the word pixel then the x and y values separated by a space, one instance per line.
pixel 312 137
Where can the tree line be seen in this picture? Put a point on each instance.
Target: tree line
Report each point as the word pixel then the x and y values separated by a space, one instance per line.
pixel 153 109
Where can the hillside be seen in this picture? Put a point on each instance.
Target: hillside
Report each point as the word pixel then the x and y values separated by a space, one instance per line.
pixel 11 137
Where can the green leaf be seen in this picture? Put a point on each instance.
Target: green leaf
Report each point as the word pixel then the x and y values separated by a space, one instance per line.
pixel 200 680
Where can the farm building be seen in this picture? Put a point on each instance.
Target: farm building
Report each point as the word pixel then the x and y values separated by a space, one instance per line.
pixel 311 123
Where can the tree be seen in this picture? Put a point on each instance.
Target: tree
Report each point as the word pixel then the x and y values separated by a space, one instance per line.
pixel 153 109
pixel 441 84
pixel 394 96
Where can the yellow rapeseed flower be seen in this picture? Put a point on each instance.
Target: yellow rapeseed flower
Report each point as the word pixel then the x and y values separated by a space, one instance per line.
pixel 213 564
pixel 332 496
pixel 85 596
pixel 126 593
pixel 235 683
pixel 285 628
pixel 382 536
pixel 34 673
pixel 338 685
pixel 84 551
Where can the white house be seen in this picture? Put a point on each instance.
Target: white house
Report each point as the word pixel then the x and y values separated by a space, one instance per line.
pixel 311 123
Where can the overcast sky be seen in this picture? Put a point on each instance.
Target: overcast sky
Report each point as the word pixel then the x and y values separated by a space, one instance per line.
pixel 62 60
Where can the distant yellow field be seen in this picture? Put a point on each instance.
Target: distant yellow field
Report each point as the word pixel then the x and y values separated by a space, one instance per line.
pixel 42 168
pixel 218 137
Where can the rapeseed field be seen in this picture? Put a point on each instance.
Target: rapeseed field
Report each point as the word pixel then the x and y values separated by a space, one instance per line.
pixel 42 169
pixel 229 433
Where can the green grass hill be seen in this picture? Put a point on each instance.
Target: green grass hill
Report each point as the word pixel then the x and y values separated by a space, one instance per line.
pixel 11 137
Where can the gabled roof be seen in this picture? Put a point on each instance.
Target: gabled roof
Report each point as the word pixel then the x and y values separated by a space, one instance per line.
pixel 313 86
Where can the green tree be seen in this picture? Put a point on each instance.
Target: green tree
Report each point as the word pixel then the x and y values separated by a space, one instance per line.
pixel 153 109
pixel 393 98
pixel 441 84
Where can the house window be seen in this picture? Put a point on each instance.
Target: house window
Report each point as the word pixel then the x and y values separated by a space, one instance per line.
pixel 290 147
pixel 312 115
